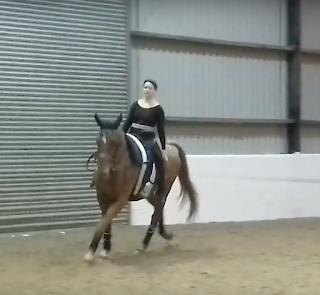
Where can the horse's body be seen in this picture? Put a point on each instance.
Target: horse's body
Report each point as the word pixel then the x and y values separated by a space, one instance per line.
pixel 115 178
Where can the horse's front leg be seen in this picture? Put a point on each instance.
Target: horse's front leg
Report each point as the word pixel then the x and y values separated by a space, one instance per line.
pixel 103 225
pixel 104 206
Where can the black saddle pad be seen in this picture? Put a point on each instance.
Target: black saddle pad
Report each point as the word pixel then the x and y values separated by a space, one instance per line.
pixel 136 157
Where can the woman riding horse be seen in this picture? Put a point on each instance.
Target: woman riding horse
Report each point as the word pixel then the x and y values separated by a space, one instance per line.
pixel 115 174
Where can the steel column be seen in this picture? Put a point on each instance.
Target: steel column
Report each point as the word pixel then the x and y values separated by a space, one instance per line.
pixel 294 75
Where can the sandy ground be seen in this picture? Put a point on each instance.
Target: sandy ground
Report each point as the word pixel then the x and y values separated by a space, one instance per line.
pixel 275 257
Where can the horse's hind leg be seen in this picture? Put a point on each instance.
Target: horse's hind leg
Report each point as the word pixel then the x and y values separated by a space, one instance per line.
pixel 156 218
pixel 162 230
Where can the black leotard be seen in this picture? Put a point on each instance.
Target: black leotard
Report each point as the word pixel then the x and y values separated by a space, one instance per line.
pixel 153 117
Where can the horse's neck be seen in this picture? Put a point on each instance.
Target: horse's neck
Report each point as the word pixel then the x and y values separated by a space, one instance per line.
pixel 125 157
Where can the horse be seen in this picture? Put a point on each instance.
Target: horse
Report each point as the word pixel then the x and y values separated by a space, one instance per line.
pixel 125 172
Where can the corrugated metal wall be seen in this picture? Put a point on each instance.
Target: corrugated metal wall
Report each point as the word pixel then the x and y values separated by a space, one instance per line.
pixel 198 81
pixel 60 61
pixel 310 139
pixel 201 81
pixel 310 79
pixel 310 24
pixel 310 76
pixel 206 139
pixel 256 21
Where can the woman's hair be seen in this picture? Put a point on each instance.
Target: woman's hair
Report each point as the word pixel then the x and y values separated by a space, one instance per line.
pixel 154 83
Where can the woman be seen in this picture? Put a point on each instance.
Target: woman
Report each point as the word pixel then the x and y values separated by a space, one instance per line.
pixel 145 115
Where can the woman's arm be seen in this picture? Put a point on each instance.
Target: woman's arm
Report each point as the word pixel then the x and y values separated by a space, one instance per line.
pixel 160 126
pixel 127 124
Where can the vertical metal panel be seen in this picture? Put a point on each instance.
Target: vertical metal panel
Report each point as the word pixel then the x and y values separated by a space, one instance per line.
pixel 212 82
pixel 60 61
pixel 228 139
pixel 310 139
pixel 294 75
pixel 310 24
pixel 310 72
pixel 256 21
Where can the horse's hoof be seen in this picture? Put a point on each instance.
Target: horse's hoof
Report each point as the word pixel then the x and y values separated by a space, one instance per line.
pixel 170 244
pixel 104 255
pixel 168 236
pixel 140 250
pixel 88 258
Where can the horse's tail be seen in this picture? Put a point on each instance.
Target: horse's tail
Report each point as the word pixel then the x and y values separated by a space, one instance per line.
pixel 188 190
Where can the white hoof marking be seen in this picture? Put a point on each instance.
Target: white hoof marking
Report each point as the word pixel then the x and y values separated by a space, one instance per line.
pixel 104 254
pixel 88 257
pixel 170 244
pixel 138 251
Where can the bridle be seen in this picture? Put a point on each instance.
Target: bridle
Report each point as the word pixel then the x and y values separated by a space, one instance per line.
pixel 117 153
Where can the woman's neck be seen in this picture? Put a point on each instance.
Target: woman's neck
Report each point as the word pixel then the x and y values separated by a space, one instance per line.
pixel 148 102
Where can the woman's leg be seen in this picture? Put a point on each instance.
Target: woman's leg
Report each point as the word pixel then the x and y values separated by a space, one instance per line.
pixel 159 163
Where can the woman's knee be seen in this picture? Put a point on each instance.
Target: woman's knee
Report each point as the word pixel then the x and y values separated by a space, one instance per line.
pixel 156 150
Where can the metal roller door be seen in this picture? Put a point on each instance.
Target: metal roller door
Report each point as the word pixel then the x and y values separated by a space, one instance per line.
pixel 60 61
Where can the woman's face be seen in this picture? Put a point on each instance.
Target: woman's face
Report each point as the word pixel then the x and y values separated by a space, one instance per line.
pixel 148 90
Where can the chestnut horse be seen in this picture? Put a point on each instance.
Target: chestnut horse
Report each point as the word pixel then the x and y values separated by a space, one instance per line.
pixel 124 172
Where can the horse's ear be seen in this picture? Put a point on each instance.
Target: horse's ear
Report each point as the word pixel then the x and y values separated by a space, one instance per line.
pixel 97 118
pixel 118 120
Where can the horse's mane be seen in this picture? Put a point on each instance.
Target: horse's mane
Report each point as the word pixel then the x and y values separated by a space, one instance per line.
pixel 117 137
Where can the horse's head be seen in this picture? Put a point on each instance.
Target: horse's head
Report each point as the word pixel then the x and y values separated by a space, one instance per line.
pixel 110 142
pixel 108 125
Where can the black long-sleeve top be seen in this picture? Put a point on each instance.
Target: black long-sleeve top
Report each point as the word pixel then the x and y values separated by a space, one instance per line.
pixel 153 117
